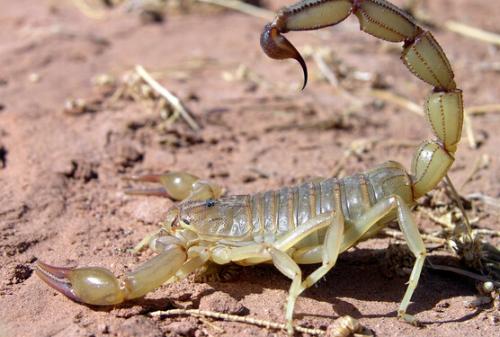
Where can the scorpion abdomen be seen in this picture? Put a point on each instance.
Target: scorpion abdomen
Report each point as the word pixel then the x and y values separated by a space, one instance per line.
pixel 266 216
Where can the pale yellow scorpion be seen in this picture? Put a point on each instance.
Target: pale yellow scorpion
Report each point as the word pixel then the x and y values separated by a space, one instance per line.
pixel 307 224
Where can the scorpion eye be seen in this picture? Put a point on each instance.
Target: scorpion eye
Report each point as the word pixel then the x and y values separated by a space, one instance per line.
pixel 186 221
pixel 210 203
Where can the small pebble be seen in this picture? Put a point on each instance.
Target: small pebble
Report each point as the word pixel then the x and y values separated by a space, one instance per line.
pixel 184 328
pixel 103 328
pixel 222 302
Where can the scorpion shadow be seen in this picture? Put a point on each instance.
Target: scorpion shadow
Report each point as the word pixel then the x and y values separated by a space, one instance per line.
pixel 359 275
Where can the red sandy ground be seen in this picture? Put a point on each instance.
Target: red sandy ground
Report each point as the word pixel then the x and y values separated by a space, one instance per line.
pixel 61 182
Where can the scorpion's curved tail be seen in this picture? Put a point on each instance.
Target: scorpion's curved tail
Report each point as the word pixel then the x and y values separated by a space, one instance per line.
pixel 421 54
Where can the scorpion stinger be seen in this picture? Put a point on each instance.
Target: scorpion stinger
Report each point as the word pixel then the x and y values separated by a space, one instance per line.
pixel 278 47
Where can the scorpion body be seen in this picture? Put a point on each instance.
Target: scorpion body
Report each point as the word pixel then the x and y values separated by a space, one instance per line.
pixel 313 222
pixel 267 216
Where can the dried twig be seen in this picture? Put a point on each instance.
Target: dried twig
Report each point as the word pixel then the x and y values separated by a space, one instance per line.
pixel 482 162
pixel 242 7
pixel 172 99
pixel 462 272
pixel 88 10
pixel 486 199
pixel 483 109
pixel 458 201
pixel 388 96
pixel 415 108
pixel 472 32
pixel 325 70
pixel 414 8
pixel 234 318
pixel 396 234
pixel 469 131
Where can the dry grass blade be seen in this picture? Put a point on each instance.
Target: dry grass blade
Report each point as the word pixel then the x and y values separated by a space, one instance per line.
pixel 172 99
pixel 414 8
pixel 483 109
pixel 88 10
pixel 493 202
pixel 415 108
pixel 469 131
pixel 242 7
pixel 481 163
pixel 472 32
pixel 234 318
pixel 460 205
pixel 463 272
pixel 331 77
pixel 388 96
pixel 325 70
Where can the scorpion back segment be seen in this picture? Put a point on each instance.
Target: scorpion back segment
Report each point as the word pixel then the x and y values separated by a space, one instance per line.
pixel 311 223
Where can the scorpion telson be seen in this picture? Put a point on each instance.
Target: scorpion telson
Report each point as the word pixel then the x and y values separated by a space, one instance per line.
pixel 307 224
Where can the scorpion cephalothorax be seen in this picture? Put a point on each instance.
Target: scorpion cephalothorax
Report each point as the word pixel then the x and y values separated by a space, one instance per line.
pixel 310 223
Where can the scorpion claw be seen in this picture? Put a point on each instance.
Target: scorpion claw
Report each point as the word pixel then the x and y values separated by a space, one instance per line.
pixel 91 285
pixel 147 178
pixel 276 46
pixel 175 185
pixel 57 278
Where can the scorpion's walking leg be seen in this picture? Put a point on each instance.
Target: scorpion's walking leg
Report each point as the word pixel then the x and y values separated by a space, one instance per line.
pixel 283 262
pixel 179 186
pixel 197 256
pixel 410 232
pixel 330 252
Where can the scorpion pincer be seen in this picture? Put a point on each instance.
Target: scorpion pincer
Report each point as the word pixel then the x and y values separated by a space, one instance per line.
pixel 308 224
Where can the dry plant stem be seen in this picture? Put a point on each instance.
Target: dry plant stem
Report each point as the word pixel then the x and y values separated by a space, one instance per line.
pixel 325 70
pixel 437 219
pixel 462 272
pixel 460 206
pixel 451 25
pixel 388 96
pixel 398 235
pixel 480 163
pixel 234 318
pixel 172 99
pixel 472 32
pixel 469 131
pixel 88 10
pixel 242 7
pixel 493 202
pixel 483 109
pixel 332 79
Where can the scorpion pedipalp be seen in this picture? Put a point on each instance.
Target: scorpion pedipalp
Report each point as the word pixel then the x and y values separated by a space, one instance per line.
pixel 176 186
pixel 98 286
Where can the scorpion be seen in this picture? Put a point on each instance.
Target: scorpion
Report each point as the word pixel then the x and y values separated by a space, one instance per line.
pixel 311 223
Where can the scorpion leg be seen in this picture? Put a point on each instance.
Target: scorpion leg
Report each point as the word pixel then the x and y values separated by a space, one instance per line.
pixel 98 286
pixel 410 232
pixel 282 261
pixel 179 186
pixel 330 251
pixel 198 257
